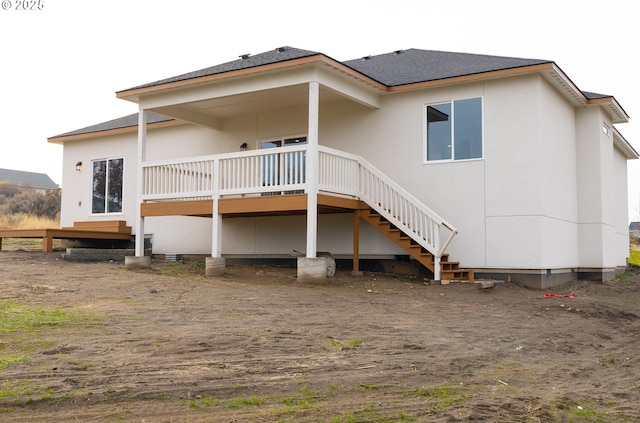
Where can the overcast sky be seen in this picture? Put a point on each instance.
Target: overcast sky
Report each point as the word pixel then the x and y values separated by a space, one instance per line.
pixel 63 63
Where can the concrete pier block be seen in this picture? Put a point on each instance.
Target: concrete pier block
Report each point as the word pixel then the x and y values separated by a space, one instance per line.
pixel 312 270
pixel 134 262
pixel 215 266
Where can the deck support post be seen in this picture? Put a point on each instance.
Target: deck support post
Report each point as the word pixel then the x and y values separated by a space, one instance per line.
pixel 436 268
pixel 142 152
pixel 312 268
pixel 312 170
pixel 356 244
pixel 216 264
pixel 47 243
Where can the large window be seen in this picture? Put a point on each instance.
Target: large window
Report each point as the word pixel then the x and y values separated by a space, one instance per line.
pixel 107 186
pixel 454 130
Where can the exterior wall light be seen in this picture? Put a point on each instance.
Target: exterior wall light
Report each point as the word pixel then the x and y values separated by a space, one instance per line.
pixel 78 166
pixel 243 146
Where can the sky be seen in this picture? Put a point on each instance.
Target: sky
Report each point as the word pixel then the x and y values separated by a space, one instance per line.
pixel 63 60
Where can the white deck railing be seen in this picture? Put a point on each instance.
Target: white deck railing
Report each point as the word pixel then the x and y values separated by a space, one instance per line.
pixel 283 170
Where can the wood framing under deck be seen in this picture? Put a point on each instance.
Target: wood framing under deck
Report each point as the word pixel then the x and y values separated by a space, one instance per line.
pixel 296 204
pixel 270 205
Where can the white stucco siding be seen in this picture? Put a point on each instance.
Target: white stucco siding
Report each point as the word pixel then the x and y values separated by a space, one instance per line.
pixel 621 211
pixel 184 141
pixel 601 193
pixel 76 195
pixel 530 175
pixel 280 236
pixel 558 179
pixel 179 234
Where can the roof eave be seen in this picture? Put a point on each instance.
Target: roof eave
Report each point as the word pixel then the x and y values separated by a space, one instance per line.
pixel 108 132
pixel 618 114
pixel 472 77
pixel 624 146
pixel 135 93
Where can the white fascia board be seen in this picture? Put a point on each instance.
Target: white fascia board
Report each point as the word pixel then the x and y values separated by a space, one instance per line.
pixel 624 146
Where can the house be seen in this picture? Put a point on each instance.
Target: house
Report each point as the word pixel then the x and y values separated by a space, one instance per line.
pixel 634 231
pixel 471 165
pixel 30 180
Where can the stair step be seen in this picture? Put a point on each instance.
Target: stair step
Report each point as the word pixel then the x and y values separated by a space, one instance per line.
pixel 458 274
pixel 449 270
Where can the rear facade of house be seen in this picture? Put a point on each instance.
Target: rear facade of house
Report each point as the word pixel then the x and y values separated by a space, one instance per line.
pixel 529 170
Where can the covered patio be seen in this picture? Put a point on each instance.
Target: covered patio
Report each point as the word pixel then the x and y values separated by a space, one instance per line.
pixel 298 179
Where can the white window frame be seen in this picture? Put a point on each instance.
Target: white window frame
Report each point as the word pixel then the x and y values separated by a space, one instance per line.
pixel 106 213
pixel 425 135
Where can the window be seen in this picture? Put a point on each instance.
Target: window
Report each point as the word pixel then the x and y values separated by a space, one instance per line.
pixel 606 130
pixel 107 186
pixel 454 130
pixel 285 167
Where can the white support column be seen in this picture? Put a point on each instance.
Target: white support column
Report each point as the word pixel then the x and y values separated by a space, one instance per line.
pixel 312 170
pixel 216 225
pixel 142 154
pixel 216 264
pixel 436 268
pixel 139 260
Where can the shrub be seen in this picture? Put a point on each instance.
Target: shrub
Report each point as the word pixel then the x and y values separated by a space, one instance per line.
pixel 36 203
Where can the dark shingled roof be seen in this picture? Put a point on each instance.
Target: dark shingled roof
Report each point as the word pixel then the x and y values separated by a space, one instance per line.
pixel 595 96
pixel 411 66
pixel 281 54
pixel 400 67
pixel 27 179
pixel 123 122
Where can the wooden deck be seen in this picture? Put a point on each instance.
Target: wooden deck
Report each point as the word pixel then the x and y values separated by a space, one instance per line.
pixel 270 205
pixel 110 229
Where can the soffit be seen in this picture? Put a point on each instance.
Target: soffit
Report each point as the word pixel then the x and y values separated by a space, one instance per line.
pixel 260 101
pixel 562 83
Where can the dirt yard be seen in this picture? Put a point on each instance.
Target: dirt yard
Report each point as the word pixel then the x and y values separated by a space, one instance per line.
pixel 169 345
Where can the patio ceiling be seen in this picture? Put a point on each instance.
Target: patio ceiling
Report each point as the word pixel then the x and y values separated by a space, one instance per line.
pixel 209 102
pixel 260 101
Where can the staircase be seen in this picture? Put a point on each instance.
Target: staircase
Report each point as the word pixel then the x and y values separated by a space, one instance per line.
pixel 449 270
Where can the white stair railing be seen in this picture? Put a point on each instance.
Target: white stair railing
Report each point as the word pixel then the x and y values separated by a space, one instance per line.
pixel 349 174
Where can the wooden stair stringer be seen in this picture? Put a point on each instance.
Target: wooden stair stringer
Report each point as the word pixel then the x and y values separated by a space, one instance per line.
pixel 449 270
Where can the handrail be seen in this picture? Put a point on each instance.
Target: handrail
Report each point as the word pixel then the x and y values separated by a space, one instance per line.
pixel 395 204
pixel 276 170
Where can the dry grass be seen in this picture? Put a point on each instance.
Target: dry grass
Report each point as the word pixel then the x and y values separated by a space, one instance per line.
pixel 27 221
